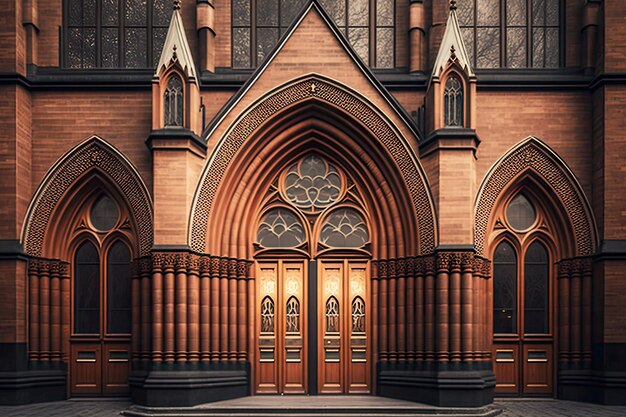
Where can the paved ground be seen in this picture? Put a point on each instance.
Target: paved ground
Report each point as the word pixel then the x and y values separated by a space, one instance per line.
pixel 512 408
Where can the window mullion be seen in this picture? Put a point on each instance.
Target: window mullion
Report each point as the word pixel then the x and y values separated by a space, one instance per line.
pixel 122 37
pixel 253 37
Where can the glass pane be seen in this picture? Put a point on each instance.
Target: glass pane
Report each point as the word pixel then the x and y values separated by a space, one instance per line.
pixel 453 102
pixel 516 47
pixel 118 289
pixel 89 48
pixel 520 213
pixel 384 48
pixel 359 39
pixel 241 48
pixel 312 183
pixel 293 315
pixel 267 315
pixel 110 12
pixel 267 12
pixel 384 12
pixel 266 40
pixel 110 47
pixel 241 12
pixel 516 12
pixel 89 12
pixel 336 10
pixel 539 15
pixel 552 48
pixel 136 45
pixel 358 12
pixel 135 13
pixel 344 228
pixel 158 39
pixel 468 40
pixel 539 48
pixel 74 54
pixel 289 9
pixel 87 290
pixel 488 12
pixel 488 48
pixel 552 12
pixel 332 315
pixel 504 289
pixel 173 102
pixel 161 12
pixel 75 12
pixel 280 228
pixel 536 291
pixel 465 12
pixel 104 214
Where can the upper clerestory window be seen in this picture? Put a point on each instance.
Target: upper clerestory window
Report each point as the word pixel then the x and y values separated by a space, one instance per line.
pixel 369 26
pixel 511 33
pixel 114 33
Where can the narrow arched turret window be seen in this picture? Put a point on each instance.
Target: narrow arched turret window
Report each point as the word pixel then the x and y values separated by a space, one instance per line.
pixel 173 102
pixel 453 102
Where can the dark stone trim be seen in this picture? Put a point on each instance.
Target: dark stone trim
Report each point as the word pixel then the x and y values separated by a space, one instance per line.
pixel 449 138
pixel 531 78
pixel 171 248
pixel 181 384
pixel 604 387
pixel 12 249
pixel 612 249
pixel 456 248
pixel 169 133
pixel 31 386
pixel 468 384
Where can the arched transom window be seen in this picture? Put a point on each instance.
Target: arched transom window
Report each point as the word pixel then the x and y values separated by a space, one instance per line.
pixel 511 33
pixel 367 24
pixel 312 200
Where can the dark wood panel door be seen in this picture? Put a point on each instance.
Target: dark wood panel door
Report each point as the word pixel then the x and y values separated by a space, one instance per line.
pixel 100 368
pixel 86 369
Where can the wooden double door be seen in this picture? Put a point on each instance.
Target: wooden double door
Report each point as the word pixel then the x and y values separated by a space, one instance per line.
pixel 313 327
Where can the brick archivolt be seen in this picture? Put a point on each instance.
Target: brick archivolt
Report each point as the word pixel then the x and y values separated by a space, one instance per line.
pixel 92 154
pixel 324 91
pixel 532 154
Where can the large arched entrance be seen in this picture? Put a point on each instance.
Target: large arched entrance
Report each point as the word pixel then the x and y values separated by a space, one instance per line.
pixel 312 298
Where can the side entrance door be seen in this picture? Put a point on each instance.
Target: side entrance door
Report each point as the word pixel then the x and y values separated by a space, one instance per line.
pixel 312 327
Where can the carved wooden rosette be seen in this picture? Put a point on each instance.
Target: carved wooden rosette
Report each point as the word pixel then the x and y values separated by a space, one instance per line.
pixel 432 308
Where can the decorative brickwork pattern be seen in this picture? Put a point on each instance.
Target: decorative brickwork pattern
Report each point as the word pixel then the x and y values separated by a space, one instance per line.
pixel 94 153
pixel 532 155
pixel 324 91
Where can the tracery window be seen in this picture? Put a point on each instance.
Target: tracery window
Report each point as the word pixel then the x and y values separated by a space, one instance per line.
pixel 267 315
pixel 368 25
pixel 114 34
pixel 102 265
pixel 358 315
pixel 313 196
pixel 511 33
pixel 293 315
pixel 453 102
pixel 521 273
pixel 173 102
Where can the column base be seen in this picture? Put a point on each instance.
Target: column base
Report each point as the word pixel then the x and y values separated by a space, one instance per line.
pixel 31 386
pixel 602 387
pixel 458 385
pixel 189 384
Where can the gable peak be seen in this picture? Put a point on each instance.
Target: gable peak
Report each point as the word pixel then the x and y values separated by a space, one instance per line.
pixel 176 48
pixel 452 48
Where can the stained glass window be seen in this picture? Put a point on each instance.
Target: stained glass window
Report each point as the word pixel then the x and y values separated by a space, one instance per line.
pixel 104 214
pixel 332 315
pixel 258 24
pixel 267 315
pixel 520 214
pixel 118 289
pixel 511 33
pixel 312 184
pixel 453 102
pixel 344 228
pixel 87 290
pixel 114 34
pixel 280 228
pixel 358 315
pixel 505 289
pixel 173 102
pixel 536 272
pixel 293 315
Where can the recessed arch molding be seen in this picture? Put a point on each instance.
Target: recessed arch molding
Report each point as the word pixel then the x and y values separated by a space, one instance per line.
pixel 94 153
pixel 533 154
pixel 324 90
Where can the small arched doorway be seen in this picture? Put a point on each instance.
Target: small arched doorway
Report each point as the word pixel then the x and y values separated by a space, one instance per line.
pixel 312 258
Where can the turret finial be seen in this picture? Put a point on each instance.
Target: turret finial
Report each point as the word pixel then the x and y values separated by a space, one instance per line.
pixel 452 4
pixel 177 4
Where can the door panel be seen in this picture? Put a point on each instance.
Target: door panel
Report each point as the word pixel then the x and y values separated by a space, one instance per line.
pixel 86 369
pixel 331 314
pixel 537 369
pixel 294 371
pixel 358 355
pixel 116 366
pixel 506 368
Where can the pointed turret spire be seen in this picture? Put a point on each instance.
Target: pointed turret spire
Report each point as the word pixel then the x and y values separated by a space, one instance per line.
pixel 176 47
pixel 452 47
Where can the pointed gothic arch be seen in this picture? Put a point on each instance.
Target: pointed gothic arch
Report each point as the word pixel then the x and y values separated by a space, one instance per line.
pixel 533 160
pixel 315 112
pixel 92 161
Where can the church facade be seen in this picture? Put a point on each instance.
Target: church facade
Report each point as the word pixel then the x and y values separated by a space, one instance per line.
pixel 210 199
